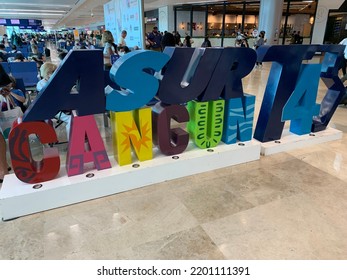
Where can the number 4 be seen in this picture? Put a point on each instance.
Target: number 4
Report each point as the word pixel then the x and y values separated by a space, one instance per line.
pixel 301 106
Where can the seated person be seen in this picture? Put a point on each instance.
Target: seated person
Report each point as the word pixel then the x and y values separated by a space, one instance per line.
pixel 46 71
pixel 19 58
pixel 17 95
pixel 14 49
pixel 39 61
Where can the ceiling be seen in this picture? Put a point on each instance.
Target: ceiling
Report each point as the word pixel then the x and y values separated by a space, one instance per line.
pixel 57 14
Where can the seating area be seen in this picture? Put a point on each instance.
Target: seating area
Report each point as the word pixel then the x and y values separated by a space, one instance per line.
pixel 23 70
pixel 25 50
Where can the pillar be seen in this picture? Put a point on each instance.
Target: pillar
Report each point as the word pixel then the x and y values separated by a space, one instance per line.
pixel 166 18
pixel 270 15
pixel 321 19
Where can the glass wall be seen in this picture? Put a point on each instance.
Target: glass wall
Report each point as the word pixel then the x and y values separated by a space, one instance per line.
pixel 224 21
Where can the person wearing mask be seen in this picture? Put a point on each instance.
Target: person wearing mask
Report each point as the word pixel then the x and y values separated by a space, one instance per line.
pixel 261 41
pixel 154 38
pixel 17 95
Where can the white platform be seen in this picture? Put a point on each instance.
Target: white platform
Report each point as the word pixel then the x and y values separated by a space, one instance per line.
pixel 291 141
pixel 19 199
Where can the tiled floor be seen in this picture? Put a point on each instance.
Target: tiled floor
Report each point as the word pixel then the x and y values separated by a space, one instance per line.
pixel 286 206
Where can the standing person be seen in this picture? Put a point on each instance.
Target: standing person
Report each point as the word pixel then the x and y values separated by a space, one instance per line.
pixel 261 41
pixel 343 64
pixel 188 42
pixel 177 38
pixel 122 43
pixel 168 40
pixel 110 48
pixel 298 39
pixel 154 38
pixel 206 43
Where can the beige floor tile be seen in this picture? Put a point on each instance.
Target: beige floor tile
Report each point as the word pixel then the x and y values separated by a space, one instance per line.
pixel 290 228
pixel 190 244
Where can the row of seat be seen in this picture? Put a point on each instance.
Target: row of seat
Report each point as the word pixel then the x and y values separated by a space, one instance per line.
pixel 23 70
pixel 26 49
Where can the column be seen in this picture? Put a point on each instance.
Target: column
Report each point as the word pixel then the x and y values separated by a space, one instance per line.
pixel 321 19
pixel 270 15
pixel 166 18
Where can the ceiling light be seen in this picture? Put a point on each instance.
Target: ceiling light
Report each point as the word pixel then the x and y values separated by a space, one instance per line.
pixel 41 4
pixel 34 11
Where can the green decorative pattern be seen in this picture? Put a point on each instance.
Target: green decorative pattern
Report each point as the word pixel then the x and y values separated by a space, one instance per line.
pixel 206 122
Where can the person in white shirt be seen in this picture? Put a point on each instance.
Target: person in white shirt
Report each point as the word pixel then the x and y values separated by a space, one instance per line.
pixel 122 43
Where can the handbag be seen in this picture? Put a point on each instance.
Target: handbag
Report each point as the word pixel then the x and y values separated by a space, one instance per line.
pixel 8 117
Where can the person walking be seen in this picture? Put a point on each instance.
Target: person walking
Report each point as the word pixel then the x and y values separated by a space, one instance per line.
pixel 260 42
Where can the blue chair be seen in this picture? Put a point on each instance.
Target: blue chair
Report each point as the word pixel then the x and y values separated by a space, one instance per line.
pixel 8 55
pixel 69 48
pixel 25 70
pixel 62 45
pixel 6 67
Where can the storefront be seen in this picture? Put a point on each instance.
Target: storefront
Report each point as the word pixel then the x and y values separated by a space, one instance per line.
pixel 222 22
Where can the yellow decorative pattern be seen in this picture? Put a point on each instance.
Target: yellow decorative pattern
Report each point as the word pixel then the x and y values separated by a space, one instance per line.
pixel 132 128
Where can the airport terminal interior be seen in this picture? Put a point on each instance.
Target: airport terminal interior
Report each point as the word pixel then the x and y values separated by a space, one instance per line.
pixel 287 206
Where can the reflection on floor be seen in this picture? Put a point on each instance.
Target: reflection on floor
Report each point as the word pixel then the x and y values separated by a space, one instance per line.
pixel 286 206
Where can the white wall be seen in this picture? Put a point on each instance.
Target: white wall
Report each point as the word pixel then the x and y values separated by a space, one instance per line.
pixel 322 17
pixel 199 18
pixel 183 17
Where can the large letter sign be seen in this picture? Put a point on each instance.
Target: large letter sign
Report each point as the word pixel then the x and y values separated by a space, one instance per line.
pixel 201 87
pixel 286 63
pixel 206 122
pixel 336 89
pixel 25 167
pixel 132 128
pixel 238 121
pixel 84 66
pixel 206 74
pixel 171 141
pixel 85 146
pixel 301 106
pixel 140 87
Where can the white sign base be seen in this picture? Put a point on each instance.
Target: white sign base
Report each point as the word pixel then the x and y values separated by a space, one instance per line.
pixel 290 141
pixel 19 199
